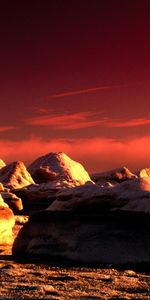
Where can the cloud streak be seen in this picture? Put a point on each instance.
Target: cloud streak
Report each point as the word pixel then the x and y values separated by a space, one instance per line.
pixel 81 120
pixel 84 91
pixel 6 128
pixel 68 121
pixel 129 123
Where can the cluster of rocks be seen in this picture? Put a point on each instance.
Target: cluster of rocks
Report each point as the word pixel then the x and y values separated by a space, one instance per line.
pixel 102 218
pixel 26 190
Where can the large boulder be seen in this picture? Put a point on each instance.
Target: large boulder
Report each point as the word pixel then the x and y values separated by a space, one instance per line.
pixel 15 175
pixel 60 169
pixel 88 224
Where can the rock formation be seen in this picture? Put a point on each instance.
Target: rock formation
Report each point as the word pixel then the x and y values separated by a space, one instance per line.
pixel 60 169
pixel 13 202
pixel 37 196
pixel 7 221
pixel 15 175
pixel 118 175
pixel 90 224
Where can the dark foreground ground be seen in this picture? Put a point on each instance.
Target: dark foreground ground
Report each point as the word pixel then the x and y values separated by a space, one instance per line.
pixel 44 280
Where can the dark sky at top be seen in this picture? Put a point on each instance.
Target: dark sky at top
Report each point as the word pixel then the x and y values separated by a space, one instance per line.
pixel 53 57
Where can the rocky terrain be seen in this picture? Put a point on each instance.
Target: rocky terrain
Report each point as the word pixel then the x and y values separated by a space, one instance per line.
pixel 66 235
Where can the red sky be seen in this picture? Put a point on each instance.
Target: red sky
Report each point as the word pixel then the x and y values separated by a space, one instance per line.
pixel 75 77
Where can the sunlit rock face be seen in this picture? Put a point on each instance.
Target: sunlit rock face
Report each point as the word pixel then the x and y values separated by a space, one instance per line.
pixel 116 175
pixel 144 172
pixel 13 202
pixel 2 203
pixel 2 163
pixel 7 221
pixel 60 169
pixel 1 188
pixel 90 224
pixel 15 175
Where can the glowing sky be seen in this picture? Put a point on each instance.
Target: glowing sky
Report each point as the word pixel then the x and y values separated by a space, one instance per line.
pixel 75 77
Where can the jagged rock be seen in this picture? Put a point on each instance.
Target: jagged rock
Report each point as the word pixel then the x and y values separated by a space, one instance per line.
pixel 2 163
pixel 15 175
pixel 119 175
pixel 89 224
pixel 7 222
pixel 60 169
pixel 13 201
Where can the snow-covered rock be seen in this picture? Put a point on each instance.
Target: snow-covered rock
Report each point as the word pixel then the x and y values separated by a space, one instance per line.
pixel 15 175
pixel 60 169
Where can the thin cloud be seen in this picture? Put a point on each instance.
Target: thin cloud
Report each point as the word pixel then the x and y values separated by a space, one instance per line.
pixel 6 128
pixel 68 121
pixel 129 123
pixel 84 91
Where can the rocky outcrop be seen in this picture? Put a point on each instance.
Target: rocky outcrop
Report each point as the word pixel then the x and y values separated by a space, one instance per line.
pixel 37 196
pixel 116 175
pixel 60 169
pixel 90 224
pixel 7 222
pixel 15 175
pixel 13 201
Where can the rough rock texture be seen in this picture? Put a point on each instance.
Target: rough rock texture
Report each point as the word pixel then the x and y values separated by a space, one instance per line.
pixel 88 224
pixel 15 175
pixel 119 175
pixel 2 163
pixel 7 221
pixel 13 201
pixel 60 169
